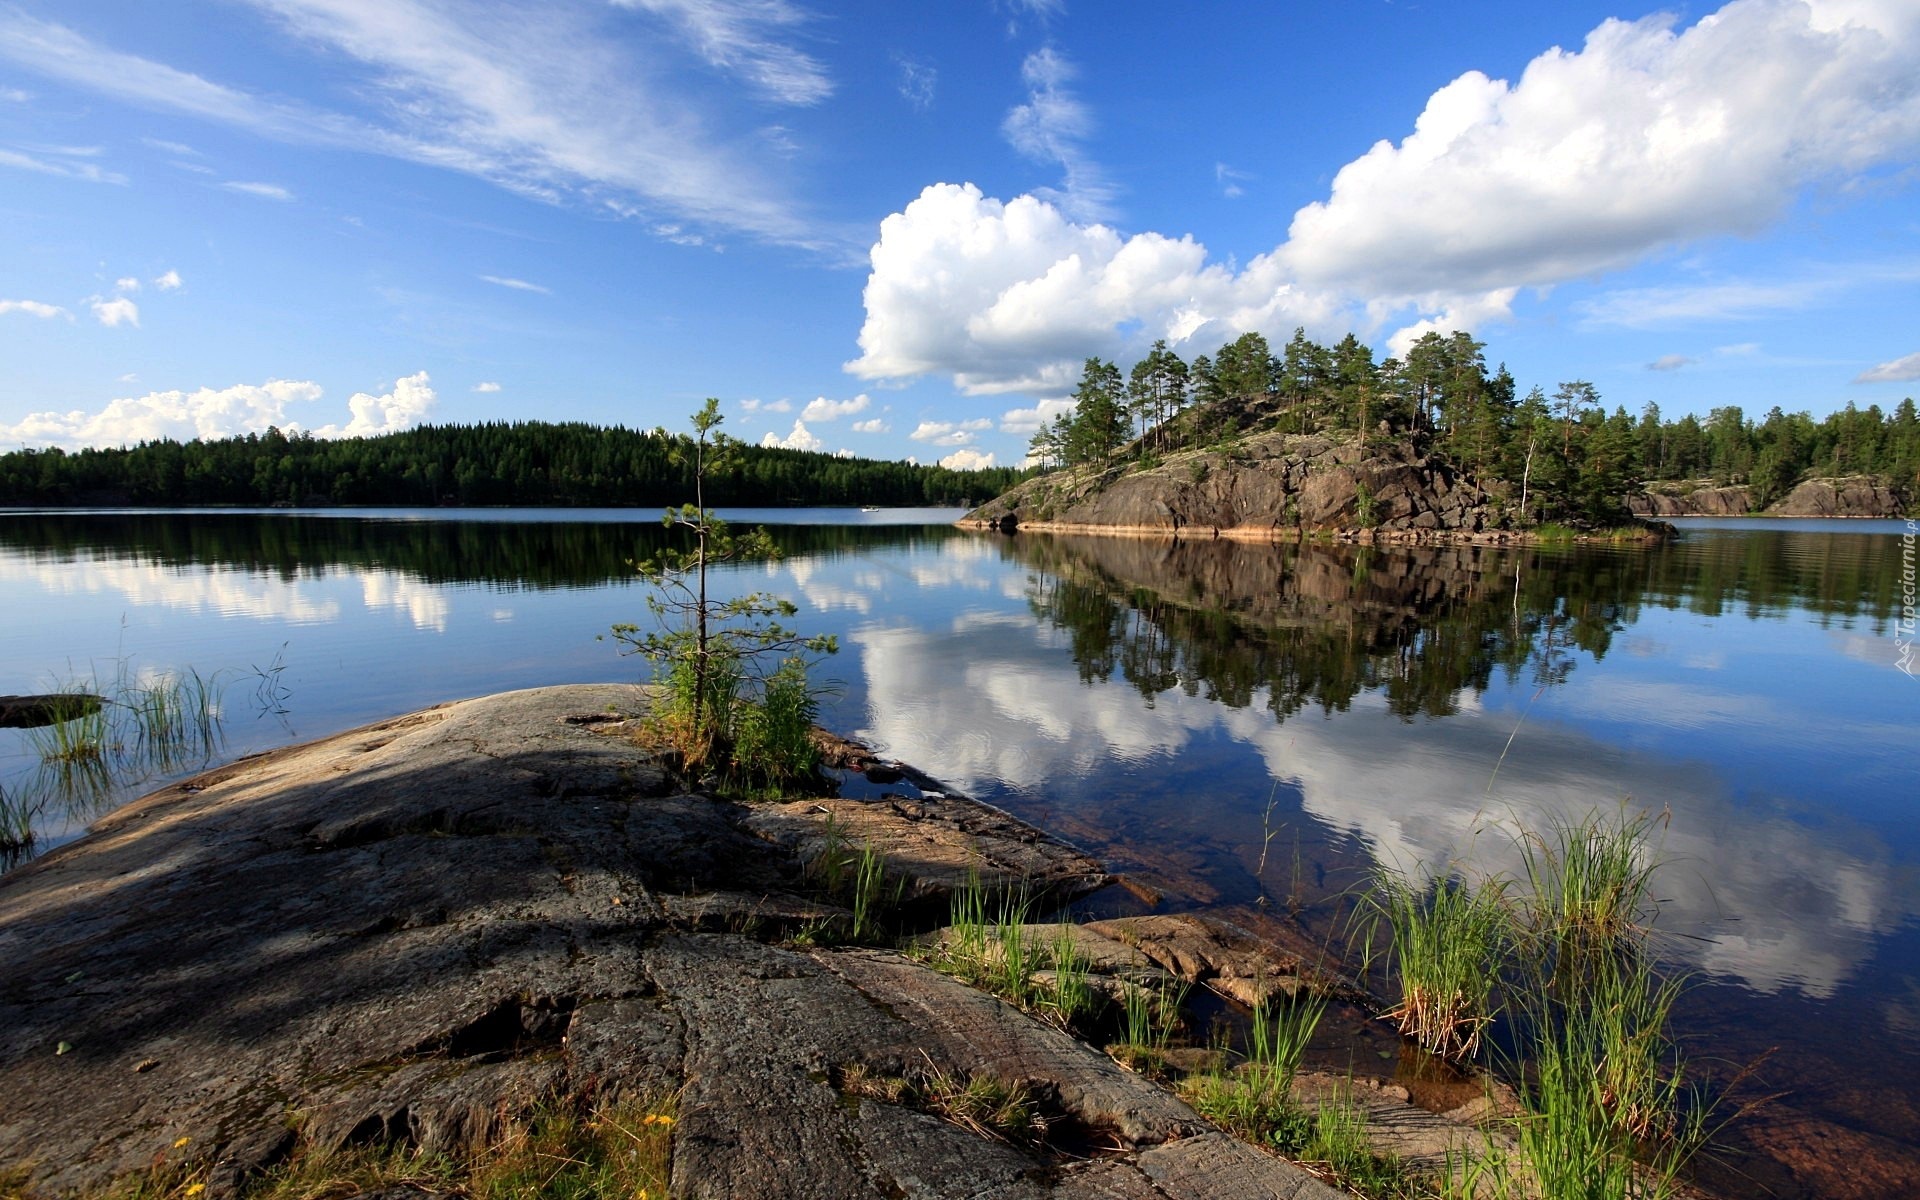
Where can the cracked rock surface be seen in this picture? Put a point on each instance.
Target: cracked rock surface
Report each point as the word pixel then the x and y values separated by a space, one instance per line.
pixel 417 930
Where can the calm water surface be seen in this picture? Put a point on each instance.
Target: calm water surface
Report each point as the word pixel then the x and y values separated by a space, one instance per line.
pixel 1179 707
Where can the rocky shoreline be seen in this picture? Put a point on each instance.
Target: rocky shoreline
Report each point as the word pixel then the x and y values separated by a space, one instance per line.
pixel 1275 487
pixel 1866 497
pixel 413 933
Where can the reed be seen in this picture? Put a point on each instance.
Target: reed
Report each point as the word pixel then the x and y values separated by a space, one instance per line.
pixel 1280 1031
pixel 1588 889
pixel 1607 1109
pixel 1073 998
pixel 1448 939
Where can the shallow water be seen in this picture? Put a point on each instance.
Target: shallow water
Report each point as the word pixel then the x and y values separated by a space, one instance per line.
pixel 1181 708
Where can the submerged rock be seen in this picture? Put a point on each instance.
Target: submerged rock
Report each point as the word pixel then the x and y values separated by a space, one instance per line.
pixel 416 931
pixel 32 712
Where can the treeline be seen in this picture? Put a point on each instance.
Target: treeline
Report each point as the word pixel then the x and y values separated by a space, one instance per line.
pixel 526 463
pixel 1562 456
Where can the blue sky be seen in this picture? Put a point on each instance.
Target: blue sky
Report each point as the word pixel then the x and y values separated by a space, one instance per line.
pixel 898 228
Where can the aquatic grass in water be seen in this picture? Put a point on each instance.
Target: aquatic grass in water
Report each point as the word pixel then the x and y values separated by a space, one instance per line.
pixel 1448 939
pixel 1588 886
pixel 1606 1109
pixel 105 739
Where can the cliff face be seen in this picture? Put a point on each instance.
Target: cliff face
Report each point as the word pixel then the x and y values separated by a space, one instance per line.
pixel 1265 485
pixel 1854 496
pixel 1860 496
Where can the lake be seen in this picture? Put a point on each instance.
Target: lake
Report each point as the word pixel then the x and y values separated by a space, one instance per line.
pixel 1243 728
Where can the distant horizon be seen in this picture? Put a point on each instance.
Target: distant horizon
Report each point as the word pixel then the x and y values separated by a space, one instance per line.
pixel 897 231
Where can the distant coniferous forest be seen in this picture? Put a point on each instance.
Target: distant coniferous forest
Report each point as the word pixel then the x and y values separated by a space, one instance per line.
pixel 1564 450
pixel 526 463
pixel 1574 459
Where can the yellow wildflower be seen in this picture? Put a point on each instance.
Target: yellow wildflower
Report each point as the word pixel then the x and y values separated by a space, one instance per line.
pixel 196 1189
pixel 181 1142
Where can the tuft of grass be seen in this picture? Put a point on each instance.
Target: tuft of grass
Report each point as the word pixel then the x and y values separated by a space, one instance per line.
pixel 1073 999
pixel 1150 1017
pixel 1448 939
pixel 857 878
pixel 987 946
pixel 985 1104
pixel 773 733
pixel 1588 887
pixel 1606 1107
pixel 1332 1141
pixel 1280 1032
pixel 81 731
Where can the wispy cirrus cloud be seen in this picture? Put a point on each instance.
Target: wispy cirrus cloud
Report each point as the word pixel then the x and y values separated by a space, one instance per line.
pixel 1652 307
pixel 1052 127
pixel 918 79
pixel 741 38
pixel 68 162
pixel 518 285
pixel 554 108
pixel 265 191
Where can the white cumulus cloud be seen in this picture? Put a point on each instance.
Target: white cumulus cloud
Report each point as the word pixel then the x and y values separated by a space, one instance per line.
pixel 876 425
pixel 1898 370
pixel 129 284
pixel 218 413
pixel 801 438
pixel 487 386
pixel 949 433
pixel 206 413
pixel 772 406
pixel 967 460
pixel 1011 296
pixel 115 312
pixel 1027 421
pixel 33 308
pixel 1670 362
pixel 822 409
pixel 1648 137
pixel 170 282
pixel 410 400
